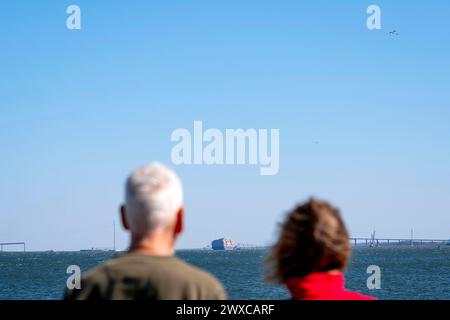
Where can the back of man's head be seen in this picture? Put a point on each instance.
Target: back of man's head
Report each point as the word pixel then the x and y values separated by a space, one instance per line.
pixel 153 197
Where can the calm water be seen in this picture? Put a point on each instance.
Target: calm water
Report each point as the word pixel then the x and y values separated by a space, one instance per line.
pixel 409 273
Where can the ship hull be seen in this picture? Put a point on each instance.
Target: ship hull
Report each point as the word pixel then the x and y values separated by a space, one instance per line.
pixel 223 245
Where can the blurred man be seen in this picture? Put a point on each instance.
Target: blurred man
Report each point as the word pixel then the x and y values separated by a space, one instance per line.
pixel 153 213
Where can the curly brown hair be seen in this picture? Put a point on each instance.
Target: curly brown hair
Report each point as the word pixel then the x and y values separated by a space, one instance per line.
pixel 313 238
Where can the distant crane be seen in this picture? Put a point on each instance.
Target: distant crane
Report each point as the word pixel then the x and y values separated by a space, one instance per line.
pixel 114 235
pixel 372 239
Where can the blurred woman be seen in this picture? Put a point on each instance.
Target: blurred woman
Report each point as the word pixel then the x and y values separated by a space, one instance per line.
pixel 311 254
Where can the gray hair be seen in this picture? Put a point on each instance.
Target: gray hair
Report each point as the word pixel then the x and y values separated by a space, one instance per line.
pixel 153 196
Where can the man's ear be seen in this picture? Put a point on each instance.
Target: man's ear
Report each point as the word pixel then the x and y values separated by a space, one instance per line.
pixel 179 225
pixel 123 217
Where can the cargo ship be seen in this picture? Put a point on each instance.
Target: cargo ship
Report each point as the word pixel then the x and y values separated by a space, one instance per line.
pixel 224 244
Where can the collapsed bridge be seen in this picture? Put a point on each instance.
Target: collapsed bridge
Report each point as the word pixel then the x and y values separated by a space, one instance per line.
pixel 3 244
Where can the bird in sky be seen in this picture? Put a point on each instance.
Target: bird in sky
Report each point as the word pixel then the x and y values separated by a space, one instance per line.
pixel 393 33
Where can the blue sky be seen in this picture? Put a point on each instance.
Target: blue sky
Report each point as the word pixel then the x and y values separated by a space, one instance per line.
pixel 363 116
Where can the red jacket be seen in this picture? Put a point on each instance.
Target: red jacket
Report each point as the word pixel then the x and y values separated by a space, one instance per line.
pixel 322 286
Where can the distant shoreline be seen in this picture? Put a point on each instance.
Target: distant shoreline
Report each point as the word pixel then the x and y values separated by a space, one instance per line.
pixel 358 247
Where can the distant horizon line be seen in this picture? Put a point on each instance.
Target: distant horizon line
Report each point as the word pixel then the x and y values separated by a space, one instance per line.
pixel 207 247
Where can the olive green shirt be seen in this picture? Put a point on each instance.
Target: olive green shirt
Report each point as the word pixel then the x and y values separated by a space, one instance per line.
pixel 136 277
